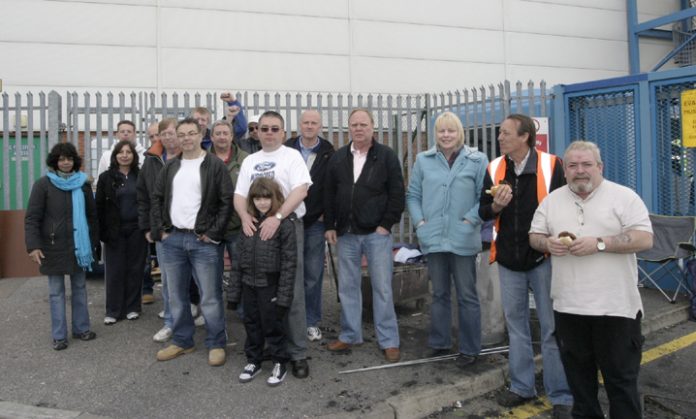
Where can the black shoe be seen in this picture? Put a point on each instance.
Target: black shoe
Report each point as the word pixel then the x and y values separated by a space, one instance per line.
pixel 509 399
pixel 562 411
pixel 433 353
pixel 464 361
pixel 300 368
pixel 88 335
pixel 59 344
pixel 249 372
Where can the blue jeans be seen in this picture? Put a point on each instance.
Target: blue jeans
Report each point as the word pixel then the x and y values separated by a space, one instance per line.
pixel 314 245
pixel 168 322
pixel 78 301
pixel 378 250
pixel 462 269
pixel 514 290
pixel 185 255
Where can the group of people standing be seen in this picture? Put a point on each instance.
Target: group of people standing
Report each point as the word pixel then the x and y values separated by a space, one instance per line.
pixel 273 209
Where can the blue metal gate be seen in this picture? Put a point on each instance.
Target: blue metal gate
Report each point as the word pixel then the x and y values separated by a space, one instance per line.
pixel 636 122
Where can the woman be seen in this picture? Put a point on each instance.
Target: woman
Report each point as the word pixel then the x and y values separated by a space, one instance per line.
pixel 125 245
pixel 443 196
pixel 60 227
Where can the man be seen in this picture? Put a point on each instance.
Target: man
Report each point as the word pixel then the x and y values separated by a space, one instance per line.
pixel 316 153
pixel 148 283
pixel 226 149
pixel 286 167
pixel 526 176
pixel 364 198
pixel 251 144
pixel 190 210
pixel 168 146
pixel 235 115
pixel 596 302
pixel 203 116
pixel 153 132
pixel 125 130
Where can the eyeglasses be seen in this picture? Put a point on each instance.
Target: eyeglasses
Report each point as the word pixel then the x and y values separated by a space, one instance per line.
pixel 581 214
pixel 252 128
pixel 188 134
pixel 272 129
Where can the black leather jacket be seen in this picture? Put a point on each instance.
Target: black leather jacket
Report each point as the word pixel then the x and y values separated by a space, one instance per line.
pixel 216 199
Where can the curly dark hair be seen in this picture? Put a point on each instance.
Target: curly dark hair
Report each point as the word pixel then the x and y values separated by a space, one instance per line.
pixel 63 150
pixel 117 149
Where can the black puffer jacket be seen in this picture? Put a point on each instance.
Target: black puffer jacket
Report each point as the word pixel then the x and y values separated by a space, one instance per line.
pixel 260 262
pixel 48 225
pixel 314 202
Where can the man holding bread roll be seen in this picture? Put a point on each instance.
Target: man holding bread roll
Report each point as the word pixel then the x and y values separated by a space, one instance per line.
pixel 596 303
pixel 514 186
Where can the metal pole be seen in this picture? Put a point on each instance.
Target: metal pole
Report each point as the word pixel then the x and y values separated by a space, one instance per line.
pixel 489 351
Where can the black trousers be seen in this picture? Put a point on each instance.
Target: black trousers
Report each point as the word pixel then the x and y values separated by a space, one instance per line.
pixel 263 324
pixel 125 258
pixel 612 344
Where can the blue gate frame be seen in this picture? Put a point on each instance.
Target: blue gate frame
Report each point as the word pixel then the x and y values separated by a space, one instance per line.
pixel 635 122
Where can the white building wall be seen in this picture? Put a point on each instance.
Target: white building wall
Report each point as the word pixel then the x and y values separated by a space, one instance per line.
pixel 392 46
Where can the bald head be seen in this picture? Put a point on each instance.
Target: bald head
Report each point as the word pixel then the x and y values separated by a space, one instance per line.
pixel 310 126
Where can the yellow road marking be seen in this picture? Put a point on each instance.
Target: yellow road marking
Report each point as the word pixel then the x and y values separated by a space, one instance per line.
pixel 543 404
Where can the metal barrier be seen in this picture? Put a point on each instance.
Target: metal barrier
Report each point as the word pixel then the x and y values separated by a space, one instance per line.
pixel 636 122
pixel 404 122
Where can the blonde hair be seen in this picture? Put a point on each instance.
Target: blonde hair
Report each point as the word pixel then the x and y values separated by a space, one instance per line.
pixel 449 119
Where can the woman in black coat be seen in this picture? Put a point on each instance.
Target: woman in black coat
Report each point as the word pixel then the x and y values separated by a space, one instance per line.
pixel 124 244
pixel 60 229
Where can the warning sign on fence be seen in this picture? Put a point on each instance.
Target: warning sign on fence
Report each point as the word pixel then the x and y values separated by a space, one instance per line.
pixel 688 118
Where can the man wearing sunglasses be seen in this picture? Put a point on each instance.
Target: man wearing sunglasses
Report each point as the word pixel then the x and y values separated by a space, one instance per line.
pixel 285 166
pixel 251 143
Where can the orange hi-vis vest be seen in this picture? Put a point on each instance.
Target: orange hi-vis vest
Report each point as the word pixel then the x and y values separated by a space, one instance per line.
pixel 545 165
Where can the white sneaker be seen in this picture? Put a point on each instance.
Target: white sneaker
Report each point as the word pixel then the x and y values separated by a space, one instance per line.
pixel 133 315
pixel 278 375
pixel 199 321
pixel 161 314
pixel 250 371
pixel 109 320
pixel 194 311
pixel 313 333
pixel 163 335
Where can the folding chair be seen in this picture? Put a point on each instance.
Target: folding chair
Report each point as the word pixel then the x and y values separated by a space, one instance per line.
pixel 673 244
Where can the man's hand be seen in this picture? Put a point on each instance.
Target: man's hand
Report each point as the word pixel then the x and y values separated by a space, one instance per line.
pixel 232 111
pixel 36 255
pixel 164 236
pixel 205 239
pixel 555 247
pixel 227 97
pixel 584 246
pixel 269 226
pixel 502 198
pixel 330 236
pixel 382 231
pixel 148 237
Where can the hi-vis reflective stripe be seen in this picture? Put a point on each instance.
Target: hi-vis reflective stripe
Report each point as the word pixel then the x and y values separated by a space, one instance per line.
pixel 497 168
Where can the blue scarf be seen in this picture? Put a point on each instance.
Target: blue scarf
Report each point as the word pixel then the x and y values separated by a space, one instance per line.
pixel 83 247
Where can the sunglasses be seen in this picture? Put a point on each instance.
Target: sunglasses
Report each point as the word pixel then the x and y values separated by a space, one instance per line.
pixel 272 129
pixel 253 128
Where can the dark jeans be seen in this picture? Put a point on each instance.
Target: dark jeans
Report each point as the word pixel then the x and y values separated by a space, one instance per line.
pixel 125 258
pixel 148 282
pixel 614 345
pixel 263 324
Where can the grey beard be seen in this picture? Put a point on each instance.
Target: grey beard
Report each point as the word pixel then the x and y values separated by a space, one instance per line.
pixel 581 187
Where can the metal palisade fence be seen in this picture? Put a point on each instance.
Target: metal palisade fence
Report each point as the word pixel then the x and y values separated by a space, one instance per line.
pixel 33 123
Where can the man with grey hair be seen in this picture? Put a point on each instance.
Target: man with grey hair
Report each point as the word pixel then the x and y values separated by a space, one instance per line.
pixel 597 307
